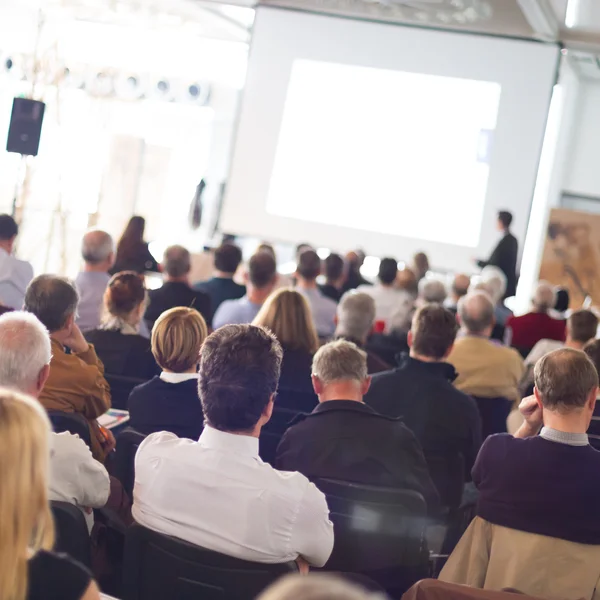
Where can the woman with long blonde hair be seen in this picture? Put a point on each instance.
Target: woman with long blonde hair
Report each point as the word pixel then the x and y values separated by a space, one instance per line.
pixel 28 568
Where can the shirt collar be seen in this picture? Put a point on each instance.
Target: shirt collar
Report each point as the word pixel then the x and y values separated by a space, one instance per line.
pixel 351 405
pixel 229 443
pixel 442 368
pixel 177 377
pixel 563 437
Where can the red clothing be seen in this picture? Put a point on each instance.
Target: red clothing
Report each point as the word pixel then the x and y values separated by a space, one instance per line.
pixel 529 329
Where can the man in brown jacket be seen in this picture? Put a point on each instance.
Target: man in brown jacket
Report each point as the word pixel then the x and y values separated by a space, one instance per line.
pixel 76 382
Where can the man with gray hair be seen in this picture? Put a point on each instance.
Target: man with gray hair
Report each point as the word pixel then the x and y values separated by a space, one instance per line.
pixel 345 439
pixel 431 290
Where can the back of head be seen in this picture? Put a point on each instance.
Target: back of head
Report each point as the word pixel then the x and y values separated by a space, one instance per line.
pixel 52 299
pixel 505 218
pixel 262 270
pixel 495 282
pixel 177 261
pixel 268 248
pixel 432 290
pixel 388 269
pixel 421 263
pixel 287 314
pixel 309 265
pixel 8 228
pixel 124 293
pixel 315 586
pixel 544 297
pixel 433 331
pixel 476 312
pixel 355 316
pixel 177 336
pixel 562 300
pixel 96 247
pixel 27 524
pixel 132 237
pixel 460 285
pixel 564 379
pixel 334 267
pixel 302 247
pixel 582 326
pixel 592 349
pixel 340 361
pixel 407 280
pixel 239 372
pixel 227 258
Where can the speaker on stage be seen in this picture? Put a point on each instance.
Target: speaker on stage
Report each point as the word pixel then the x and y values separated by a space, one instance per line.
pixel 25 126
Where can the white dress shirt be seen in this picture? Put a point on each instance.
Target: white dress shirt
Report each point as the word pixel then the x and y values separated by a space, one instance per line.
pixel 75 476
pixel 177 377
pixel 15 276
pixel 217 493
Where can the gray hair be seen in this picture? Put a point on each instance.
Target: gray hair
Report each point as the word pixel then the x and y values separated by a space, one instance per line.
pixel 495 281
pixel 340 361
pixel 316 586
pixel 355 316
pixel 177 261
pixel 432 290
pixel 544 296
pixel 476 311
pixel 96 246
pixel 25 344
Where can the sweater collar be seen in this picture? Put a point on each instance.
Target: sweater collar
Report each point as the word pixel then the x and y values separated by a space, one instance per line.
pixel 441 369
pixel 348 405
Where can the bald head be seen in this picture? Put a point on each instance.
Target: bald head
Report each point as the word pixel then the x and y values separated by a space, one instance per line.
pixel 460 285
pixel 476 313
pixel 97 250
pixel 177 262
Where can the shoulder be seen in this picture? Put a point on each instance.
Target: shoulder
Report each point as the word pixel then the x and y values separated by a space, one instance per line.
pixel 499 444
pixel 292 484
pixel 66 442
pixel 161 444
pixel 58 573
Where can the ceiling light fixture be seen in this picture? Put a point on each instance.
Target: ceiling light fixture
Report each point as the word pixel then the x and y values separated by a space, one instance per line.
pixel 572 14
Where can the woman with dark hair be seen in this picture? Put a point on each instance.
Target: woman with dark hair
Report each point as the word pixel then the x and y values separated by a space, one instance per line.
pixel 132 250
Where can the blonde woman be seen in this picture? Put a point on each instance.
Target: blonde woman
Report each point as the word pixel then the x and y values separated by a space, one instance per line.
pixel 28 568
pixel 287 314
pixel 169 401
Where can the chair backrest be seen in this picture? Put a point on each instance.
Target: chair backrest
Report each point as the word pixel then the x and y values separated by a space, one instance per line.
pixel 375 528
pixel 128 442
pixel 493 412
pixel 273 431
pixel 120 388
pixel 74 423
pixel 157 566
pixel 72 535
pixel 448 474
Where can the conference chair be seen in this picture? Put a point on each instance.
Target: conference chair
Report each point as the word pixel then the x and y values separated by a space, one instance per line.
pixel 120 388
pixel 72 535
pixel 74 423
pixel 157 567
pixel 448 474
pixel 493 412
pixel 128 442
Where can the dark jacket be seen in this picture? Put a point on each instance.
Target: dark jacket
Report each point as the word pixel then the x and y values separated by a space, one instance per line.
pixel 220 289
pixel 349 441
pixel 295 390
pixel 504 257
pixel 330 291
pixel 444 419
pixel 176 293
pixel 161 406
pixel 139 260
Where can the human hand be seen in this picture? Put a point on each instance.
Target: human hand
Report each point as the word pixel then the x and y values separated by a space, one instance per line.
pixel 75 340
pixel 533 415
pixel 110 443
pixel 303 566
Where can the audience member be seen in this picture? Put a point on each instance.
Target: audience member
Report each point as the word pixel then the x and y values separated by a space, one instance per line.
pixel 561 306
pixel 260 282
pixel 176 290
pixel 527 330
pixel 420 391
pixel 354 279
pixel 592 349
pixel 75 476
pixel 240 496
pixel 132 250
pixel 458 289
pixel 319 586
pixel 287 314
pixel 170 402
pixel 355 322
pixel 322 308
pixel 98 253
pixel 76 381
pixel 117 341
pixel 420 265
pixel 407 281
pixel 335 277
pixel 221 287
pixel 431 290
pixel 485 369
pixel 347 440
pixel 29 569
pixel 495 284
pixel 15 274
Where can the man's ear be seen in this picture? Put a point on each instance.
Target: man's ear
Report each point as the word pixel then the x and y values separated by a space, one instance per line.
pixel 70 322
pixel 592 399
pixel 447 354
pixel 538 398
pixel 268 411
pixel 42 378
pixel 317 384
pixel 409 339
pixel 365 385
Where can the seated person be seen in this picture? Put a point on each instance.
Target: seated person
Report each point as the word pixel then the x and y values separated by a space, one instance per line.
pixel 29 569
pixel 15 274
pixel 176 290
pixel 592 349
pixel 76 381
pixel 317 586
pixel 287 314
pixel 495 283
pixel 345 439
pixel 355 323
pixel 431 290
pixel 458 289
pixel 170 402
pixel 75 476
pixel 261 279
pixel 421 391
pixel 335 277
pixel 216 492
pixel 117 341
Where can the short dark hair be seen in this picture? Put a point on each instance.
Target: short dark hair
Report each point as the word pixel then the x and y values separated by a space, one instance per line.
pixel 334 266
pixel 261 269
pixel 177 261
pixel 592 349
pixel 8 227
pixel 564 379
pixel 505 218
pixel 52 299
pixel 227 258
pixel 309 265
pixel 239 371
pixel 583 325
pixel 562 300
pixel 388 270
pixel 433 330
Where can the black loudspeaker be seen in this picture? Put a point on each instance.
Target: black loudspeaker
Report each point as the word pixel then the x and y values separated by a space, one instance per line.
pixel 25 126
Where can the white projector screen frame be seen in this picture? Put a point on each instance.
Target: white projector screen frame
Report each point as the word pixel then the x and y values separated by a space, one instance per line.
pixel 525 71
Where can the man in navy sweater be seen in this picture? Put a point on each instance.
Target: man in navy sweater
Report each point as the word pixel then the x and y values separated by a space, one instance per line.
pixel 547 484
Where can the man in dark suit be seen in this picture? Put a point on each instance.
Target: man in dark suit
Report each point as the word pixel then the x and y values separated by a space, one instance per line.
pixel 505 254
pixel 345 439
pixel 176 290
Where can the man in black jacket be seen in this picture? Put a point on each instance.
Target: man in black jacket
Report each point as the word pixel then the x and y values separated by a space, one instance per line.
pixel 505 254
pixel 347 440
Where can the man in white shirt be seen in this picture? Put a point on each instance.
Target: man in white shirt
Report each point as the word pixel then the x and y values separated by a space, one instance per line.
pixel 217 493
pixel 15 274
pixel 75 477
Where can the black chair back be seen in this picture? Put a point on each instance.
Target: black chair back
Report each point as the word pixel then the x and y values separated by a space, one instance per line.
pixel 157 566
pixel 72 535
pixel 493 412
pixel 128 442
pixel 448 475
pixel 273 431
pixel 74 423
pixel 120 388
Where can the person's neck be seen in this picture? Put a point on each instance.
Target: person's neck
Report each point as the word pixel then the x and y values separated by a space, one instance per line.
pixel 257 296
pixel 575 422
pixel 223 275
pixel 341 390
pixel 574 345
pixel 89 268
pixel 7 246
pixel 255 433
pixel 193 369
pixel 481 334
pixel 305 284
pixel 182 279
pixel 341 335
pixel 422 358
pixel 59 336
